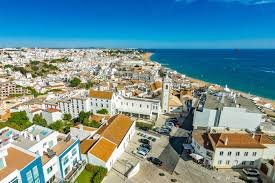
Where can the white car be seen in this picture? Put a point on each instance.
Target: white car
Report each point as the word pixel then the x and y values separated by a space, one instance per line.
pixel 140 153
pixel 251 171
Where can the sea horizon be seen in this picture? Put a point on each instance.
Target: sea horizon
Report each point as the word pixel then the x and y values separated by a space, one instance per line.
pixel 246 70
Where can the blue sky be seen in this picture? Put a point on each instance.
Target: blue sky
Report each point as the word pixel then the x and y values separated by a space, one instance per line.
pixel 138 23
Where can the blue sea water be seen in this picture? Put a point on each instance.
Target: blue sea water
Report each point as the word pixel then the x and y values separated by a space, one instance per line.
pixel 245 70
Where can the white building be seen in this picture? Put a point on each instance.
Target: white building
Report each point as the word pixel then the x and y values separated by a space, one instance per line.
pixel 232 150
pixel 138 107
pixel 51 115
pixel 109 141
pixel 54 155
pixel 102 100
pixel 227 112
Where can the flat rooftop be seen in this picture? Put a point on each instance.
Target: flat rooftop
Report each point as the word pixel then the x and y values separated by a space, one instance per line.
pixel 31 136
pixel 15 154
pixel 210 101
pixel 59 148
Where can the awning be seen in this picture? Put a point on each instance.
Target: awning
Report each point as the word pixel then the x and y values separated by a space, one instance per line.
pixel 187 146
pixel 196 156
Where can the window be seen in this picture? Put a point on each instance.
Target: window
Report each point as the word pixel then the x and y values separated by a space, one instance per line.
pixel 243 163
pixel 66 160
pixel 101 105
pixel 220 162
pixel 96 104
pixel 49 170
pixel 221 153
pixel 166 87
pixel 246 154
pixel 35 172
pixel 1 163
pixel 29 177
pixel 75 161
pixel 251 162
pixel 254 153
pixel 237 153
pixel 74 151
pixel 132 104
pixel 107 106
pixel 67 170
pixel 227 162
pixel 147 106
pixel 50 143
pixel 91 103
pixel 140 105
pixel 229 153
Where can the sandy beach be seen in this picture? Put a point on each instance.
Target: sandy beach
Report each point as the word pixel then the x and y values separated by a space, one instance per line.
pixel 147 58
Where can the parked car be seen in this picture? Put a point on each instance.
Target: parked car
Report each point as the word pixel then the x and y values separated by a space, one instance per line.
pixel 163 128
pixel 144 141
pixel 170 124
pixel 147 146
pixel 174 118
pixel 156 129
pixel 165 133
pixel 143 149
pixel 155 161
pixel 251 171
pixel 141 154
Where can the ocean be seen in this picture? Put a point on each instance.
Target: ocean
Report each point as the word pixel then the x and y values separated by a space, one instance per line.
pixel 250 71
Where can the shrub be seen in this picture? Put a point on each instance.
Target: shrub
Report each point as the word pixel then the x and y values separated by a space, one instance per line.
pixel 144 125
pixel 97 173
pixel 102 111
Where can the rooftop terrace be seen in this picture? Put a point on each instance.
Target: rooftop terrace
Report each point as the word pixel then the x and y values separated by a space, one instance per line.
pixel 220 100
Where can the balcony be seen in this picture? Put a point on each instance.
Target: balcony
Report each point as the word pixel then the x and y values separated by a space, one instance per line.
pixel 75 172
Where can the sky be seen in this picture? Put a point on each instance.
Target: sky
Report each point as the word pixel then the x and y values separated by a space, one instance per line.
pixel 138 23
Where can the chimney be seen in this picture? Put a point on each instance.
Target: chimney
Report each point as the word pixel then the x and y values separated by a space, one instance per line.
pixel 226 141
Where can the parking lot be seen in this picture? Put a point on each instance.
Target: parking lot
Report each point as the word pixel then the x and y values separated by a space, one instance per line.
pixel 175 168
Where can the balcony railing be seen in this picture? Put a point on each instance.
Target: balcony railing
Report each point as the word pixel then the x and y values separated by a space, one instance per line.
pixel 76 170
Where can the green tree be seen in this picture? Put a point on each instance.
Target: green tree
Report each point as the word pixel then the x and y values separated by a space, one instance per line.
pixel 19 120
pixel 67 116
pixel 75 82
pixel 102 111
pixel 92 123
pixel 83 115
pixel 39 120
pixel 56 125
pixel 89 84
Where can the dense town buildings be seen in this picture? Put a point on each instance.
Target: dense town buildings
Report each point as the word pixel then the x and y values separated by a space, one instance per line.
pixel 117 88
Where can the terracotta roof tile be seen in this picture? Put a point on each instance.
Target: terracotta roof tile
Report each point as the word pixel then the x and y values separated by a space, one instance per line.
pixel 12 165
pixel 103 149
pixel 101 94
pixel 86 145
pixel 98 118
pixel 118 126
pixel 234 140
pixel 51 110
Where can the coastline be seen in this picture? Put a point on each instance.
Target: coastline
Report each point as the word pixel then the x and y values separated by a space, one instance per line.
pixel 148 57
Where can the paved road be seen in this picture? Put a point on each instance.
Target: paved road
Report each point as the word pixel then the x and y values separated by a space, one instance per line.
pixel 187 122
pixel 169 158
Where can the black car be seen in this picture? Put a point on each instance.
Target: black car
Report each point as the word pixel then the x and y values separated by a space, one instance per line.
pixel 155 161
pixel 147 146
pixel 144 141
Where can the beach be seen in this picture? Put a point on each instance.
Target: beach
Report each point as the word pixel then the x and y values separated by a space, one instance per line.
pixel 148 58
